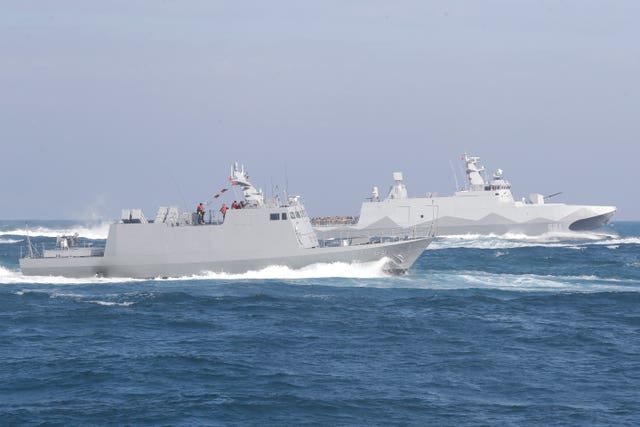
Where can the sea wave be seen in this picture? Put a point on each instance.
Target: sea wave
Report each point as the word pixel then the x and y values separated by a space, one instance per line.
pixel 350 275
pixel 112 303
pixel 619 241
pixel 522 282
pixel 367 270
pixel 93 232
pixel 13 277
pixel 77 297
pixel 513 240
pixel 10 241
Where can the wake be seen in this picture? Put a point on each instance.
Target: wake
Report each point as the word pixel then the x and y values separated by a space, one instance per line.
pixel 514 240
pixel 369 270
pixel 93 232
pixel 15 277
pixel 521 282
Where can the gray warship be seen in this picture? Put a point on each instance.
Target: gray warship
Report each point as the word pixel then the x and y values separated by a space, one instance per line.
pixel 264 232
pixel 483 207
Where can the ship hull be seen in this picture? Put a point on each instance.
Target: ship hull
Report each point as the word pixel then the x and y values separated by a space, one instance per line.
pixel 172 255
pixel 468 214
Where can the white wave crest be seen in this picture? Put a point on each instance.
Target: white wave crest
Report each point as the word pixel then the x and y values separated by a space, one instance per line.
pixel 10 241
pixel 526 282
pixel 368 270
pixel 365 270
pixel 75 297
pixel 112 303
pixel 13 277
pixel 619 241
pixel 514 240
pixel 93 232
pixel 64 295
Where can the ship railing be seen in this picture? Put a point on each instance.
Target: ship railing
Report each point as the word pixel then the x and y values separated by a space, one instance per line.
pixel 378 235
pixel 327 221
pixel 31 250
pixel 25 253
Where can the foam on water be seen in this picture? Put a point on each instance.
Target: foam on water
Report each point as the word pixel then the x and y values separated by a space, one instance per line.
pixel 13 277
pixel 112 303
pixel 93 232
pixel 523 282
pixel 368 270
pixel 619 241
pixel 314 271
pixel 77 297
pixel 514 240
pixel 330 275
pixel 10 241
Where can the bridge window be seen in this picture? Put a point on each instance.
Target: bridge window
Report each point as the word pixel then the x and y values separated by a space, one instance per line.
pixel 274 216
pixel 284 215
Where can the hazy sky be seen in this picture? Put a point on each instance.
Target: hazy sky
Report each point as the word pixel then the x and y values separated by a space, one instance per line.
pixel 113 104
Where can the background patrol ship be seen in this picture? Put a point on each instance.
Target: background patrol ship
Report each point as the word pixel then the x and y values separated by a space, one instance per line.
pixel 261 234
pixel 482 208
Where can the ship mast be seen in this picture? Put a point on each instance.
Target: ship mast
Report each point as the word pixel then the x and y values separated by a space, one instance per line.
pixel 251 195
pixel 29 246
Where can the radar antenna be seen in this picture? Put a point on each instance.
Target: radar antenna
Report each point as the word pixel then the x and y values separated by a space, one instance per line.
pixel 240 178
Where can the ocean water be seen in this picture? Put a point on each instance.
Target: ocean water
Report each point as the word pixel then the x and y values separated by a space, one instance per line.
pixel 498 330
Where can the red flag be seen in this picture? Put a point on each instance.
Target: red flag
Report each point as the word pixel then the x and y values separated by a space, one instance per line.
pixel 221 191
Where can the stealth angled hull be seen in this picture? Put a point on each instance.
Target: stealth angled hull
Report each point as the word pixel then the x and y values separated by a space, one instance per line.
pixel 483 208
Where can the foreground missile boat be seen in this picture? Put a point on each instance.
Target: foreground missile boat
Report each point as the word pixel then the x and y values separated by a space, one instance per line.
pixel 261 234
pixel 484 207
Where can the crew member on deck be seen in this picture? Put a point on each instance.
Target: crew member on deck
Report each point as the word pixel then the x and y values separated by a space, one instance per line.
pixel 200 211
pixel 223 209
